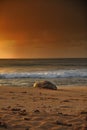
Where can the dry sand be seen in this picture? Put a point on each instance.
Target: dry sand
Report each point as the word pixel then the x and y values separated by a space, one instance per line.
pixel 23 108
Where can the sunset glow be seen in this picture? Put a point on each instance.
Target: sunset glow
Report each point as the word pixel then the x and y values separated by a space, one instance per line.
pixel 30 29
pixel 7 49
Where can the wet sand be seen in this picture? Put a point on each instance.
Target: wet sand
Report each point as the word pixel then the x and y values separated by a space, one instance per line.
pixel 24 108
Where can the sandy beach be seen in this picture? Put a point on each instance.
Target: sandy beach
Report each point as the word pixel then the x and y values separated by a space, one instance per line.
pixel 27 108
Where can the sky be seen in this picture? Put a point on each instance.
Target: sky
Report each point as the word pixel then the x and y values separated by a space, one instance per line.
pixel 43 29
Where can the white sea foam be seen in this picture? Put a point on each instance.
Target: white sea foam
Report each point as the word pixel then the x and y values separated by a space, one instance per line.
pixel 46 74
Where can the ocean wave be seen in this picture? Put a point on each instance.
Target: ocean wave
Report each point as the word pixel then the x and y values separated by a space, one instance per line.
pixel 46 74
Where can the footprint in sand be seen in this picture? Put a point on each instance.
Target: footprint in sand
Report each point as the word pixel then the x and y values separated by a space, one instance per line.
pixel 3 124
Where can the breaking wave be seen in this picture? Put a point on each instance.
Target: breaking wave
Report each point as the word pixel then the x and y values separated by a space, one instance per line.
pixel 46 74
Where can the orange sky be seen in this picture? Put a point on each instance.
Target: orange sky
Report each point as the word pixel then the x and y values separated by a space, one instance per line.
pixel 42 29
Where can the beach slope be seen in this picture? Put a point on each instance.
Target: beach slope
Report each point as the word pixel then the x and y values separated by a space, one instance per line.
pixel 27 108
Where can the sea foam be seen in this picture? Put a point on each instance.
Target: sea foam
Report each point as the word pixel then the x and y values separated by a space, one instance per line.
pixel 46 74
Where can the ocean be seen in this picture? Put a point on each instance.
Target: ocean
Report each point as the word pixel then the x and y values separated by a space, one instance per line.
pixel 62 72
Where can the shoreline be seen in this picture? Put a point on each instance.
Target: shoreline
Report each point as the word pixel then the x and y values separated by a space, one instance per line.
pixel 28 108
